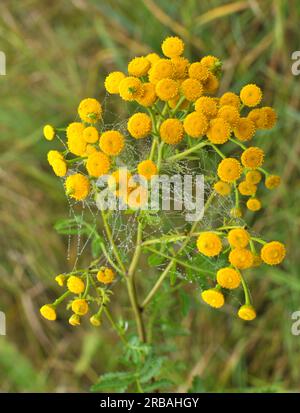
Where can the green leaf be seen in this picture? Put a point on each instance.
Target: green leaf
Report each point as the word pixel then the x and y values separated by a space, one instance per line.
pixel 118 381
pixel 197 385
pixel 158 385
pixel 96 245
pixel 173 275
pixel 185 302
pixel 155 260
pixel 150 369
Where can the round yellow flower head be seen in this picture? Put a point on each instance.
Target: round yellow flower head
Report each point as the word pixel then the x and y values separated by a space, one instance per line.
pixel 97 164
pixel 60 279
pixel 148 97
pixel 230 114
pixel 253 204
pixel 252 157
pixel 95 321
pixel 228 278
pixel 191 89
pixel 90 110
pixel 180 65
pixel 166 89
pixel 244 129
pixel 247 312
pixel 75 141
pixel 253 177
pixel 162 69
pixel 211 84
pixel 171 131
pixel 258 117
pixel 49 132
pixel 198 71
pixel 195 124
pixel 120 182
pixel 130 88
pixel 241 258
pixel 246 188
pixel 75 285
pixel 271 117
pixel 74 320
pixel 106 276
pixel 90 134
pixel 230 99
pixel 139 66
pixel 59 167
pixel 238 238
pixel 229 170
pixel 218 131
pixel 211 62
pixel 48 312
pixel 251 95
pixel 112 82
pixel 272 181
pixel 172 46
pixel 152 58
pixel 139 125
pixel 147 169
pixel 207 105
pixel 213 297
pixel 273 253
pixel 112 142
pixel 209 244
pixel 236 213
pixel 77 186
pixel 80 306
pixel 222 188
pixel 53 156
pixel 137 198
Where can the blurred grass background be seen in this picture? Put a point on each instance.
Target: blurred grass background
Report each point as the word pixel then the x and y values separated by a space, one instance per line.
pixel 59 52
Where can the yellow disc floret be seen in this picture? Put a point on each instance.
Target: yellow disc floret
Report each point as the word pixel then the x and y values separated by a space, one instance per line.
pixel 77 186
pixel 97 164
pixel 112 82
pixel 191 89
pixel 147 169
pixel 90 110
pixel 172 46
pixel 251 95
pixel 252 157
pixel 241 258
pixel 171 131
pixel 246 188
pixel 90 134
pixel 253 177
pixel 222 188
pixel 218 131
pixel 209 244
pixel 273 253
pixel 253 204
pixel 139 66
pixel 139 125
pixel 75 285
pixel 230 114
pixel 48 312
pixel 162 69
pixel 247 312
pixel 231 99
pixel 238 238
pixel 106 276
pixel 198 71
pixel 195 124
pixel 213 297
pixel 207 105
pixel 49 132
pixel 148 96
pixel 228 278
pixel 112 142
pixel 229 170
pixel 166 89
pixel 75 140
pixel 80 306
pixel 244 130
pixel 130 88
pixel 272 181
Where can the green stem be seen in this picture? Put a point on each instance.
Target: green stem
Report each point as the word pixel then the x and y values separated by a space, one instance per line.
pixel 245 288
pixel 113 324
pixel 61 298
pixel 259 240
pixel 238 143
pixel 187 152
pixel 107 256
pixel 221 154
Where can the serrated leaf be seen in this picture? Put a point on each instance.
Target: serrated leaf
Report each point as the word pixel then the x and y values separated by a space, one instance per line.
pixel 155 260
pixel 150 369
pixel 158 385
pixel 118 381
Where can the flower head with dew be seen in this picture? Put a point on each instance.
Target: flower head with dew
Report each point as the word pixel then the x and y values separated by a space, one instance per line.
pixel 98 164
pixel 252 157
pixel 251 95
pixel 112 142
pixel 195 124
pixel 171 131
pixel 90 110
pixel 139 125
pixel 209 244
pixel 228 278
pixel 77 186
pixel 213 297
pixel 273 253
pixel 229 170
pixel 112 82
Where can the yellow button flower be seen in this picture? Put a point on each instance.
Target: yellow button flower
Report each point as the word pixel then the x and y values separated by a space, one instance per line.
pixel 95 321
pixel 171 131
pixel 207 105
pixel 80 306
pixel 218 131
pixel 253 177
pixel 172 46
pixel 148 97
pixel 273 253
pixel 251 95
pixel 60 279
pixel 77 186
pixel 139 125
pixel 253 204
pixel 147 169
pixel 230 114
pixel 252 157
pixel 222 188
pixel 112 82
pixel 74 320
pixel 246 188
pixel 75 285
pixel 247 312
pixel 106 276
pixel 272 181
pixel 166 89
pixel 191 89
pixel 231 99
pixel 228 278
pixel 195 124
pixel 244 130
pixel 48 312
pixel 90 134
pixel 130 88
pixel 139 66
pixel 162 69
pixel 90 110
pixel 241 258
pixel 112 142
pixel 49 132
pixel 238 238
pixel 75 140
pixel 229 170
pixel 209 244
pixel 97 164
pixel 213 297
pixel 198 71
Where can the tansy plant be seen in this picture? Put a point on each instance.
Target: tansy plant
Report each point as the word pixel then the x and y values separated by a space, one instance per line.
pixel 179 121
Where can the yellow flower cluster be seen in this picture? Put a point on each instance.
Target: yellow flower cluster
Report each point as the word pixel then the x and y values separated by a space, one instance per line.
pixel 180 114
pixel 240 257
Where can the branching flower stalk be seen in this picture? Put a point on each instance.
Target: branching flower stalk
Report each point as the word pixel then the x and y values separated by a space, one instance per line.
pixel 179 121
